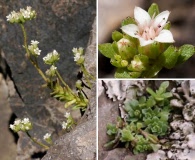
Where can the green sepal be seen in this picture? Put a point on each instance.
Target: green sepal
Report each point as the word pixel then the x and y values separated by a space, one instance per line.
pixel 152 51
pixel 116 61
pixel 115 47
pixel 185 52
pixel 116 35
pixel 152 71
pixel 153 10
pixel 128 20
pixel 107 50
pixel 169 57
pixel 142 62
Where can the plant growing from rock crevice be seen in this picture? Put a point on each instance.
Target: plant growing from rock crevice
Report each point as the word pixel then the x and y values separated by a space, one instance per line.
pixel 145 121
pixel 52 78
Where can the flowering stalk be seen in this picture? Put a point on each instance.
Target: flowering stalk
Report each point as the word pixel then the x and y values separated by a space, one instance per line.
pixel 80 59
pixel 25 126
pixel 29 56
pixel 37 142
pixel 52 77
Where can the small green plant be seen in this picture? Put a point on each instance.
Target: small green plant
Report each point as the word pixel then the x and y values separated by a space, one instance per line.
pixel 52 78
pixel 146 121
pixel 144 46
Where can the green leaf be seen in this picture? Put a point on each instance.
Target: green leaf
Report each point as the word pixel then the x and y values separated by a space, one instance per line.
pixel 111 129
pixel 124 73
pixel 110 144
pixel 169 57
pixel 116 35
pixel 153 10
pixel 107 50
pixel 128 20
pixel 126 135
pixel 167 95
pixel 162 88
pixel 185 52
pixel 149 90
pixel 150 102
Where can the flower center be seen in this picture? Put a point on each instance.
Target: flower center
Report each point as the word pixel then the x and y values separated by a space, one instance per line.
pixel 150 31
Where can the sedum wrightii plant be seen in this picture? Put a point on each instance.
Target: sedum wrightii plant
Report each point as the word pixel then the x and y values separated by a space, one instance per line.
pixel 53 79
pixel 145 45
pixel 145 121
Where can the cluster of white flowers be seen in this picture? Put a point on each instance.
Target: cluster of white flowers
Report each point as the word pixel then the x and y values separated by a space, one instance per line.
pixel 22 16
pixel 51 72
pixel 78 55
pixel 21 125
pixel 33 48
pixel 51 58
pixel 64 125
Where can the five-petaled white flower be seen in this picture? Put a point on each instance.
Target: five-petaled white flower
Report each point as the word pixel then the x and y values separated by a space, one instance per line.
pixel 149 29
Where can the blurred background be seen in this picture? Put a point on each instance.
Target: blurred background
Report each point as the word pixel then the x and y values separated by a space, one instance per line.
pixel 182 18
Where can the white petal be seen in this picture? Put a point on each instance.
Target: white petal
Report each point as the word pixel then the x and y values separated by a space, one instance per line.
pixel 141 16
pixel 161 18
pixel 131 29
pixel 144 42
pixel 165 36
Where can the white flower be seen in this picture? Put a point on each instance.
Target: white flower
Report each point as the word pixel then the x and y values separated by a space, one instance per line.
pixel 51 72
pixel 53 68
pixel 77 56
pixel 37 51
pixel 21 16
pixel 25 120
pixel 47 136
pixel 67 114
pixel 149 29
pixel 17 122
pixel 34 42
pixel 52 57
pixel 11 126
pixel 64 125
pixel 74 50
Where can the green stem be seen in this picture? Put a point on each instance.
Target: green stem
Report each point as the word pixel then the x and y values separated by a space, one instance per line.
pixel 88 76
pixel 86 72
pixel 67 87
pixel 37 142
pixel 29 56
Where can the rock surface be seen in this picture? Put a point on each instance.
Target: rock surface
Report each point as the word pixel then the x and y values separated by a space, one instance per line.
pixel 60 25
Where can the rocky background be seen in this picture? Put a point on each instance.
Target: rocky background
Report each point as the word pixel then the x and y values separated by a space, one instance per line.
pixel 182 19
pixel 60 25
